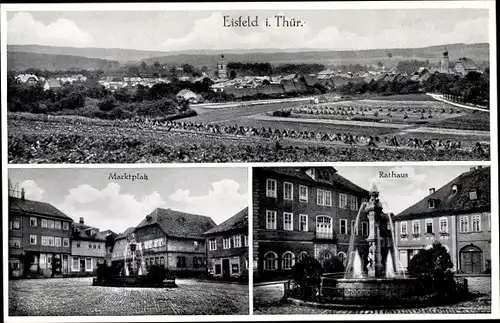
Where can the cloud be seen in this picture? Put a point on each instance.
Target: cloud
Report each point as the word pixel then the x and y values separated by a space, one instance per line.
pixel 32 190
pixel 108 208
pixel 222 201
pixel 22 28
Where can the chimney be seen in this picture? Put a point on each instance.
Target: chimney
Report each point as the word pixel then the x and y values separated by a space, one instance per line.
pixel 432 190
pixel 81 220
pixel 22 194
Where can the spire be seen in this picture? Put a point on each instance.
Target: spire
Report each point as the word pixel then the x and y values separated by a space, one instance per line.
pixel 445 51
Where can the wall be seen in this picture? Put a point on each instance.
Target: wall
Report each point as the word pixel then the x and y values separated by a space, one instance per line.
pixel 84 249
pixel 481 239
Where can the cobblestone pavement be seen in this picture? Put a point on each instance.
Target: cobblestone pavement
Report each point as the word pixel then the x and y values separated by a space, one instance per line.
pixel 77 296
pixel 267 300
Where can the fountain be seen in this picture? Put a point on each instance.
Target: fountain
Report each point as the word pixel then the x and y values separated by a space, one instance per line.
pixel 134 274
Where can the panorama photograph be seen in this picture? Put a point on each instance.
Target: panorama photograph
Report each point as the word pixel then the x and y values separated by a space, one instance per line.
pixel 127 242
pixel 166 86
pixel 372 240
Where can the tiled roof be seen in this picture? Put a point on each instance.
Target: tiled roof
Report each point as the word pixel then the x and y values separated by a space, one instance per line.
pixel 468 64
pixel 84 233
pixel 237 221
pixel 179 224
pixel 447 202
pixel 36 207
pixel 336 180
pixel 125 233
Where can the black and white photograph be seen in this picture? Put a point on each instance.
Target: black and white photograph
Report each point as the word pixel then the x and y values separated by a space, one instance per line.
pixel 111 242
pixel 166 86
pixel 365 240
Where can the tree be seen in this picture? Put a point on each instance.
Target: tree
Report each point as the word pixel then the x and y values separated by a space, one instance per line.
pixel 232 74
pixel 307 275
pixel 107 104
pixel 334 265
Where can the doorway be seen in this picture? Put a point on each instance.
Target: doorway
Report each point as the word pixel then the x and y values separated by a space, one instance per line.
pixel 225 268
pixel 82 265
pixel 471 259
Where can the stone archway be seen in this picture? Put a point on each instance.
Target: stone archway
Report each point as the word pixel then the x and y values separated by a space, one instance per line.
pixel 471 259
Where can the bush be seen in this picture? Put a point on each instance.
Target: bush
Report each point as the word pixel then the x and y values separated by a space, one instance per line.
pixel 307 275
pixel 334 265
pixel 282 113
pixel 156 274
pixel 107 104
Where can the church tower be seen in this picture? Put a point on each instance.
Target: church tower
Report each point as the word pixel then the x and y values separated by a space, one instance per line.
pixel 445 62
pixel 222 68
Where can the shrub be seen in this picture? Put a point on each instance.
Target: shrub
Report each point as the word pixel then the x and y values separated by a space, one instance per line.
pixel 156 274
pixel 334 265
pixel 107 104
pixel 282 113
pixel 307 275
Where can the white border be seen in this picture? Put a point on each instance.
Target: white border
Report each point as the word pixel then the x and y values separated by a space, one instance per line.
pixel 267 6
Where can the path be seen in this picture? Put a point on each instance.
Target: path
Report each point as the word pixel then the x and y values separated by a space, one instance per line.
pixel 439 97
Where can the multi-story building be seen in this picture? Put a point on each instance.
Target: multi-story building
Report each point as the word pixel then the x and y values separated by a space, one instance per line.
pixel 227 247
pixel 457 215
pixel 39 238
pixel 175 240
pixel 120 250
pixel 110 237
pixel 304 211
pixel 88 249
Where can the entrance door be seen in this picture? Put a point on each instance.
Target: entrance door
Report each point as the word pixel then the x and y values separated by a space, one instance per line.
pixel 225 268
pixel 65 264
pixel 471 258
pixel 82 265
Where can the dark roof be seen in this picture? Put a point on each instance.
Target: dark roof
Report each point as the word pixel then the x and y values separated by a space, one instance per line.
pixel 125 233
pixel 178 224
pixel 468 63
pixel 336 180
pixel 445 201
pixel 84 232
pixel 237 221
pixel 310 80
pixel 300 86
pixel 36 207
pixel 288 86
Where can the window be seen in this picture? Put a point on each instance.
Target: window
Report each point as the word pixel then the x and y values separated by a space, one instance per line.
pixel 454 189
pixel 416 227
pixel 464 224
pixel 476 223
pixel 15 243
pixel 245 240
pixel 14 265
pixel 473 195
pixel 270 219
pixel 287 191
pixel 50 241
pixel 320 197
pixel 65 242
pixel 364 228
pixel 75 264
pixel 50 224
pixel 341 256
pixel 235 266
pixel 162 261
pixel 287 221
pixel 181 262
pixel 237 241
pixel 353 202
pixel 429 226
pixel 303 222
pixel 57 242
pixel 404 228
pixel 88 264
pixel 78 244
pixel 288 260
pixel 65 226
pixel 212 244
pixel 271 188
pixel 431 204
pixel 328 198
pixel 443 225
pixel 342 201
pixel 57 225
pixel 324 227
pixel 302 255
pixel 33 221
pixel 343 226
pixel 303 193
pixel 218 269
pixel 32 239
pixel 270 261
pixel 226 243
pixel 354 228
pixel 44 223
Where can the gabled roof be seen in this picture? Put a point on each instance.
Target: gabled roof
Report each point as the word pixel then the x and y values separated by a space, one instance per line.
pixel 125 233
pixel 237 221
pixel 336 180
pixel 186 92
pixel 25 77
pixel 310 80
pixel 447 202
pixel 53 83
pixel 468 63
pixel 178 224
pixel 84 233
pixel 36 207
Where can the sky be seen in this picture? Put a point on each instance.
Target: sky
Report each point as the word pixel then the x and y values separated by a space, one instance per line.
pixel 397 194
pixel 186 30
pixel 118 204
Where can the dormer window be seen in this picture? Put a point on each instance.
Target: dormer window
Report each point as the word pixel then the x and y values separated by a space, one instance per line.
pixel 311 172
pixel 431 203
pixel 148 218
pixel 454 189
pixel 473 195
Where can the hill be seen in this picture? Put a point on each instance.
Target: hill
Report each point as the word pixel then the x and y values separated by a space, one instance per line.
pixel 20 61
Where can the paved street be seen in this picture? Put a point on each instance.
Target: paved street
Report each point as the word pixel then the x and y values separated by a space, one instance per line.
pixel 267 300
pixel 77 296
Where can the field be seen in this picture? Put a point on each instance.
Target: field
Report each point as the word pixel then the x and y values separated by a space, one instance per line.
pixel 252 134
pixel 77 296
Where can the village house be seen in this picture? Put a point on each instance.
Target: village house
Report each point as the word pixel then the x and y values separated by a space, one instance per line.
pixel 39 238
pixel 227 247
pixel 110 237
pixel 187 95
pixel 174 240
pixel 88 249
pixel 458 215
pixel 120 250
pixel 51 84
pixel 303 211
pixel 465 65
pixel 28 79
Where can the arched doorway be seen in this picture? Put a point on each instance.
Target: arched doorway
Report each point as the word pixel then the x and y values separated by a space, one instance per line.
pixel 471 259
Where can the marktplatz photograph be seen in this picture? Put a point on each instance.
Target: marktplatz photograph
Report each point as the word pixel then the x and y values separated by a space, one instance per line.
pixel 372 239
pixel 120 241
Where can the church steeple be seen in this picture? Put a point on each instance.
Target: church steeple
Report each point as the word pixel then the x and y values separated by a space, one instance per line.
pixel 222 67
pixel 445 62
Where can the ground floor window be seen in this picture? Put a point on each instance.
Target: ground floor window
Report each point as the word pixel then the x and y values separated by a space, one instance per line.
pixel 181 262
pixel 14 264
pixel 288 260
pixel 270 261
pixel 302 255
pixel 162 261
pixel 75 264
pixel 217 269
pixel 88 264
pixel 235 266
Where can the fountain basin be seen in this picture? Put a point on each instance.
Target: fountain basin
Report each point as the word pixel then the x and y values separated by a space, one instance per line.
pixel 133 281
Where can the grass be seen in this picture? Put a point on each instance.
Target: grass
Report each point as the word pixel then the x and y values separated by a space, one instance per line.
pixel 477 120
pixel 77 296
